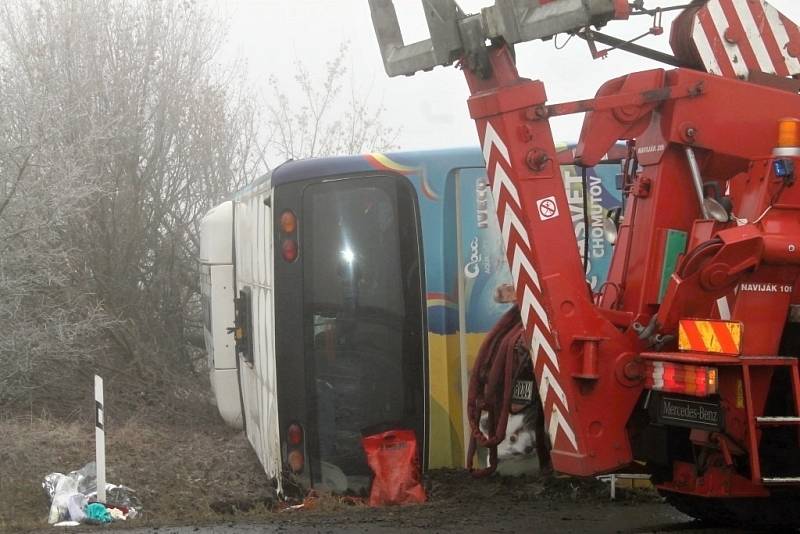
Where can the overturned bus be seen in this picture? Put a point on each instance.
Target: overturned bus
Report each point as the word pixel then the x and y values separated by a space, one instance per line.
pixel 352 292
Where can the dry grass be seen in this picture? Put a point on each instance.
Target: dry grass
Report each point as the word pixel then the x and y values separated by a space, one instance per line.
pixel 198 474
pixel 164 439
pixel 180 473
pixel 188 468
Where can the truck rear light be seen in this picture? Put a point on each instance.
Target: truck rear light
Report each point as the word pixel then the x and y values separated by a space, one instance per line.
pixel 295 434
pixel 296 461
pixel 288 222
pixel 695 380
pixel 289 250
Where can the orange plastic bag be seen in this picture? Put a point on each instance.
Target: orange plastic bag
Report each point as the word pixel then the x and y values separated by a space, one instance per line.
pixel 392 456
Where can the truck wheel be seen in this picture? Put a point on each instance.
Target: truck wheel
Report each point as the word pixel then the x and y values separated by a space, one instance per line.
pixel 779 511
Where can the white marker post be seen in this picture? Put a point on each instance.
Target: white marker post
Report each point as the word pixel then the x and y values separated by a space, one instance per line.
pixel 100 439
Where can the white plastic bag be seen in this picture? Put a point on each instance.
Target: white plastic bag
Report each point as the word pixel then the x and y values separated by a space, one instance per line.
pixel 64 490
pixel 77 502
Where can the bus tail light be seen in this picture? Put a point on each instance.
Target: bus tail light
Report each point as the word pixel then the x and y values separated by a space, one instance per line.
pixel 295 434
pixel 295 447
pixel 695 380
pixel 288 222
pixel 296 461
pixel 289 250
pixel 288 226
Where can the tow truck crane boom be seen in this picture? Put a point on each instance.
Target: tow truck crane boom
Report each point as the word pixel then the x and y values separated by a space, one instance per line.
pixel 455 35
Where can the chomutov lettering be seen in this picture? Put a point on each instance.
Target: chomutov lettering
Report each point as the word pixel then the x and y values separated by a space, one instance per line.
pixel 597 246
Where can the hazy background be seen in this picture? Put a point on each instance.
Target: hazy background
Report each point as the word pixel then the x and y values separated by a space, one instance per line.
pixel 430 107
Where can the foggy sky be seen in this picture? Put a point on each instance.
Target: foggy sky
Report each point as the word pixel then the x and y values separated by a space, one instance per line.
pixel 429 107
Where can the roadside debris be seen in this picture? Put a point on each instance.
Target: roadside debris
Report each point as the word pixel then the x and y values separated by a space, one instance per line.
pixel 393 458
pixel 97 514
pixel 315 500
pixel 73 499
pixel 67 524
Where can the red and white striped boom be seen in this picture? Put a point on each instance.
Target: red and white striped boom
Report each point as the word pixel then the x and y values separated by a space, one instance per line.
pixel 736 38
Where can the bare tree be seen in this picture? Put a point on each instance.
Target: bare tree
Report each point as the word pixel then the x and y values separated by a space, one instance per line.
pixel 329 117
pixel 117 133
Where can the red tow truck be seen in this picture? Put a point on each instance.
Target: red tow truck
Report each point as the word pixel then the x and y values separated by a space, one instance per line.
pixel 686 360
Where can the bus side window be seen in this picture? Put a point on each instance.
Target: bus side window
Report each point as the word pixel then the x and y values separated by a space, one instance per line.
pixel 243 325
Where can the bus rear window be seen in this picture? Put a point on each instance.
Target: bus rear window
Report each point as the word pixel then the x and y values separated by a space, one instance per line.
pixel 363 322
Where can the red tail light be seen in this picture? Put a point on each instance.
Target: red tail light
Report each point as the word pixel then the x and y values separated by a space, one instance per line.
pixel 295 434
pixel 696 380
pixel 295 457
pixel 289 250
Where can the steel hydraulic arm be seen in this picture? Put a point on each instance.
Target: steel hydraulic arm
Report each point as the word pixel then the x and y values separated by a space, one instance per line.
pixel 708 241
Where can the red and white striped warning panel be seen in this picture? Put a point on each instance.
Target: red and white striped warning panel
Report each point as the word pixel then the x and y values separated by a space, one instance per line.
pixel 736 37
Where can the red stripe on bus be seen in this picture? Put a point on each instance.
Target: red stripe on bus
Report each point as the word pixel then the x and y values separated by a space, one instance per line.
pixel 377 165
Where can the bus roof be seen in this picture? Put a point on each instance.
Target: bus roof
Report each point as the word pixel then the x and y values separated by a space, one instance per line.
pixel 331 166
pixel 296 170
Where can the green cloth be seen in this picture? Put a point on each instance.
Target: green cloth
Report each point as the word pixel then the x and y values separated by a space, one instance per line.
pixel 97 513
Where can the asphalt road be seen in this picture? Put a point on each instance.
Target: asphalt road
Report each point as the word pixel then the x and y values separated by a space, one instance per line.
pixel 579 517
pixel 460 503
